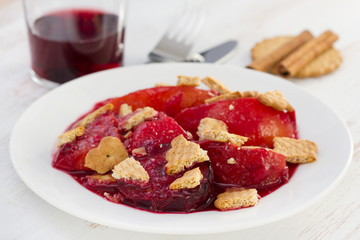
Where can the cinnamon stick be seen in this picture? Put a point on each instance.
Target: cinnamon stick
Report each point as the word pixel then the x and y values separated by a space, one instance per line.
pixel 266 63
pixel 304 54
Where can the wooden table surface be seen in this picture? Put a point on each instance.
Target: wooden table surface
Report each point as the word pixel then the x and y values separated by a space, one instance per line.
pixel 24 215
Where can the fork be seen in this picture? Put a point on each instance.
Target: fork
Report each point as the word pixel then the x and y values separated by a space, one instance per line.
pixel 177 42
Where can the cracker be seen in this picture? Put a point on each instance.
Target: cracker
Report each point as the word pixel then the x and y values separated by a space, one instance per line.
pixel 296 150
pixel 139 116
pixel 103 158
pixel 235 198
pixel 130 169
pixel 92 116
pixel 276 100
pixel 188 81
pixel 70 135
pixel 265 47
pixel 326 63
pixel 190 179
pixel 125 109
pixel 183 154
pixel 214 84
pixel 216 130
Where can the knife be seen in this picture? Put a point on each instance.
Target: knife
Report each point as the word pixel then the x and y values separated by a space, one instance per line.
pixel 217 54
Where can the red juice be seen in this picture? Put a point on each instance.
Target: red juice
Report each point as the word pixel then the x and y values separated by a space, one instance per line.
pixel 71 43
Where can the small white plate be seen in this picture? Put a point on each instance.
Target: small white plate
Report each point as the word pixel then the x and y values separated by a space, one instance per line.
pixel 35 133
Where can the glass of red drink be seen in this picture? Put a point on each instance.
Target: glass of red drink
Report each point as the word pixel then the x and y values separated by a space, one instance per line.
pixel 71 38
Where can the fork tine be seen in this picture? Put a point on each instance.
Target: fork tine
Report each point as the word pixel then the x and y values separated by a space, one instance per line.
pixel 196 30
pixel 186 29
pixel 178 23
pixel 177 41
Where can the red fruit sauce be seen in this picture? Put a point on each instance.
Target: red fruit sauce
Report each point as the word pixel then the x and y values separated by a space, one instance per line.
pixel 71 43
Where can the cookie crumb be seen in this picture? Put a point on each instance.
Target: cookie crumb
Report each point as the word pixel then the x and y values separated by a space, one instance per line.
pixel 128 134
pixel 70 135
pixel 188 81
pixel 183 154
pixel 92 116
pixel 276 100
pixel 231 161
pixel 141 151
pixel 106 178
pixel 103 158
pixel 138 116
pixel 235 198
pixel 296 150
pixel 125 109
pixel 130 169
pixel 214 84
pixel 190 179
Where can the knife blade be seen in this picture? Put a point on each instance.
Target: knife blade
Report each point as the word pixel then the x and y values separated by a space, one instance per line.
pixel 217 54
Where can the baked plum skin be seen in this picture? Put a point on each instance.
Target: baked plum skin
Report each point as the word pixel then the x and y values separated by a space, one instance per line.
pixel 168 99
pixel 151 134
pixel 248 167
pixel 246 117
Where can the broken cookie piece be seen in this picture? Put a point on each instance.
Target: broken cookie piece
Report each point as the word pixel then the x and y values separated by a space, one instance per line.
pixel 125 109
pixel 276 100
pixel 130 169
pixel 216 130
pixel 70 135
pixel 232 95
pixel 207 124
pixel 214 84
pixel 92 116
pixel 188 81
pixel 190 179
pixel 139 116
pixel 296 150
pixel 110 152
pixel 183 154
pixel 235 198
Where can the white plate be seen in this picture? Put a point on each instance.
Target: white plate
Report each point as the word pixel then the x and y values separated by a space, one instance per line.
pixel 36 131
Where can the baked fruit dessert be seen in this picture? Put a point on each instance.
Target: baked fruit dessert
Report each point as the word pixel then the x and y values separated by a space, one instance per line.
pixel 184 149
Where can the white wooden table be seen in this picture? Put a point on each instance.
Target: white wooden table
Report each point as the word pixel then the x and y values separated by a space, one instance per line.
pixel 24 215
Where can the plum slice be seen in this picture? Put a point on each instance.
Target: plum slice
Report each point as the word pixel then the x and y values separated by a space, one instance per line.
pixel 170 100
pixel 247 167
pixel 151 134
pixel 70 157
pixel 156 196
pixel 246 117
